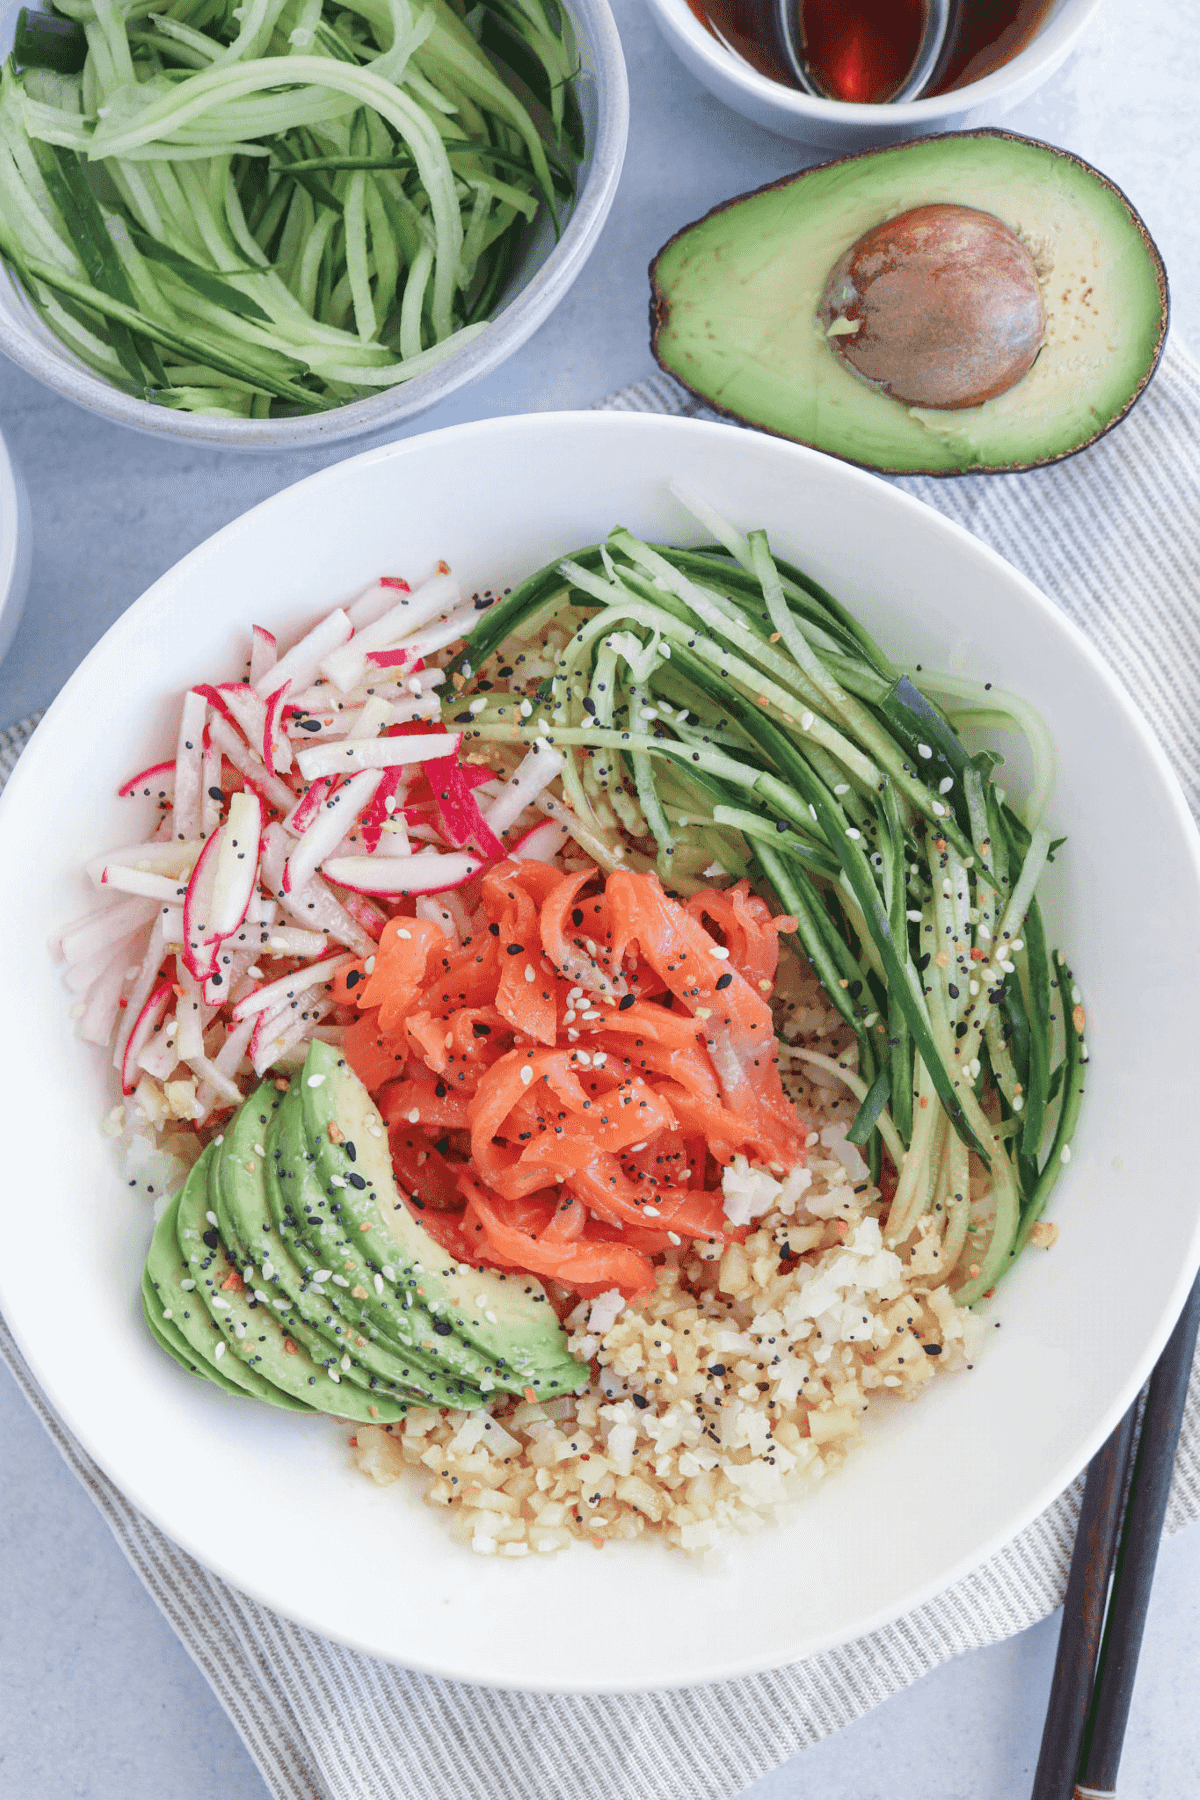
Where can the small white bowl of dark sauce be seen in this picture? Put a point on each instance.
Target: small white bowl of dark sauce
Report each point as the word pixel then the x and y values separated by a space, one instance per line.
pixel 999 53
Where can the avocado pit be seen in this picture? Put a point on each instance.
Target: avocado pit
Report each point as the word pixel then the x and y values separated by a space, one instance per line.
pixel 938 307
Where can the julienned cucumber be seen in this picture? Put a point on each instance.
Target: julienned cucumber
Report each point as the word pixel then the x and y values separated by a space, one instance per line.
pixel 282 207
pixel 719 706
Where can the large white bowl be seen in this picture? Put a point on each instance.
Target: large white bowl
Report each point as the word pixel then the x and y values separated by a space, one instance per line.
pixel 840 125
pixel 543 274
pixel 271 1501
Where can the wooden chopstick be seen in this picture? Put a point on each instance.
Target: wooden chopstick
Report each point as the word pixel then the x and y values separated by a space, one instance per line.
pixel 1090 1694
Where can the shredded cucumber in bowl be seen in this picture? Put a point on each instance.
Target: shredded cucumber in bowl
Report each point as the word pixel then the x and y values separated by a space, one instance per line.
pixel 277 207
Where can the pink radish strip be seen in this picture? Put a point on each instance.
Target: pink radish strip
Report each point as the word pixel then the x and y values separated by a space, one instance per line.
pixel 437 595
pixel 236 1043
pixel 379 812
pixel 302 661
pixel 415 707
pixel 237 865
pixel 535 772
pixel 375 753
pixel 137 881
pixel 188 758
pixel 251 767
pixel 427 872
pixel 215 698
pixel 208 1073
pixel 291 940
pixel 309 804
pixel 81 977
pixel 159 1055
pixel 199 937
pixel 232 965
pixel 245 709
pixel 264 653
pixel 142 986
pixel 274 1039
pixel 447 631
pixel 99 931
pixel 329 828
pixel 314 905
pixel 436 912
pixel 156 783
pixel 389 659
pixel 192 1015
pixel 212 795
pixel 144 1025
pixel 277 752
pixel 274 994
pixel 458 811
pixel 103 1004
pixel 541 843
pixel 366 915
pixel 377 600
pixel 260 911
pixel 162 857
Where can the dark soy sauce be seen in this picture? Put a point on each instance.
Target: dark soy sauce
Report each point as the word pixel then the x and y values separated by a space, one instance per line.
pixel 861 50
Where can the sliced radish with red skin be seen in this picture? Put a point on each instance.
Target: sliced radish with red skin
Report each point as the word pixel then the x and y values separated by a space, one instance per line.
pixel 236 1043
pixel 379 598
pixel 370 718
pixel 428 872
pixel 192 1015
pixel 151 1015
pixel 389 659
pixel 168 888
pixel 200 940
pixel 207 1072
pixel 103 1005
pixel 458 811
pixel 237 865
pixel 215 697
pixel 268 1045
pixel 366 915
pixel 300 664
pixel 541 843
pixel 142 985
pixel 282 992
pixel 309 804
pixel 377 814
pixel 245 709
pixel 260 911
pixel 100 930
pixel 276 751
pixel 251 767
pixel 212 794
pixel 264 652
pixel 439 594
pixel 435 637
pixel 535 771
pixel 81 977
pixel 413 709
pixel 375 753
pixel 189 754
pixel 158 1056
pixel 314 906
pixel 292 940
pixel 328 829
pixel 161 857
pixel 155 783
pixel 231 966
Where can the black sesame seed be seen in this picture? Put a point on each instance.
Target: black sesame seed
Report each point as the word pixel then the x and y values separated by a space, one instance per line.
pixel 355 1179
pixel 640 1401
pixel 724 981
pixel 625 1002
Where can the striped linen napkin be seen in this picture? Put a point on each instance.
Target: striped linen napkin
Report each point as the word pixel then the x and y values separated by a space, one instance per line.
pixel 1113 536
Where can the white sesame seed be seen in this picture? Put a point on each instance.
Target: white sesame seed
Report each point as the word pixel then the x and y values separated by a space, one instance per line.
pixel 853 832
pixel 315 1081
pixel 490 1317
pixel 345 1362
pixel 526 1074
pixel 340 1281
pixel 414 1115
pixel 378 1283
pixel 187 1285
pixel 211 1216
pixel 389 1272
pixel 220 1351
pixel 530 972
pixel 1066 1153
pixel 945 786
pixel 322 1274
pixel 924 750
pixel 221 1305
pixel 914 918
pixel 402 933
pixel 258 1151
pixel 337 1181
pixel 720 952
pixel 806 720
pixel 268 1271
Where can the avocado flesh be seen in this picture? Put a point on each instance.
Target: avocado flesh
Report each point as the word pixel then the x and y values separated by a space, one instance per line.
pixel 448 1378
pixel 736 297
pixel 168 1336
pixel 258 1344
pixel 238 1190
pixel 191 1318
pixel 506 1317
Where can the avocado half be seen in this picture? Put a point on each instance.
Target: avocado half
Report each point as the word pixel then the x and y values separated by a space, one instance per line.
pixel 734 300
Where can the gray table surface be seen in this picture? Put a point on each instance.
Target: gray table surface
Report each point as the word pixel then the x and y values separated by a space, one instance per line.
pixel 99 1699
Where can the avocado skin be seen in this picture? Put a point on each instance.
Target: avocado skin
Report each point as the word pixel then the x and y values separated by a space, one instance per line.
pixel 767 370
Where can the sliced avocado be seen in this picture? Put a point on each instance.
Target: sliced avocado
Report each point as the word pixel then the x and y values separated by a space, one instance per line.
pixel 736 297
pixel 237 1195
pixel 189 1315
pixel 263 1348
pixel 334 1334
pixel 507 1317
pixel 168 1336
pixel 309 1224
